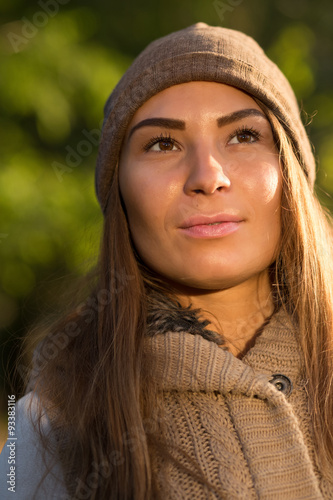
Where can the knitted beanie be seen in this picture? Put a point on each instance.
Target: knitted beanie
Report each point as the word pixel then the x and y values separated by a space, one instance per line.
pixel 198 53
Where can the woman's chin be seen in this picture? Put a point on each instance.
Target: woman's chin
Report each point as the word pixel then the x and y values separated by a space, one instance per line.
pixel 208 282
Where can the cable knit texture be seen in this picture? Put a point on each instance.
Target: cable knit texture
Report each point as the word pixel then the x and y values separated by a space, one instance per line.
pixel 228 432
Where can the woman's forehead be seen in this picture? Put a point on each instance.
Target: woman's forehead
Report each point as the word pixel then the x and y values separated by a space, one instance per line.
pixel 194 98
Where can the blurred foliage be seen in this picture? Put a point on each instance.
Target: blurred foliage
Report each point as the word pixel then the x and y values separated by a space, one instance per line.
pixel 59 61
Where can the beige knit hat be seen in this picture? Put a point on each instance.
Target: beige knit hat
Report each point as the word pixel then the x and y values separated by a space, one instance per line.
pixel 198 53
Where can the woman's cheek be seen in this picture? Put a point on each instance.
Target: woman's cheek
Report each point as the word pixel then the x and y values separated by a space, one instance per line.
pixel 143 205
pixel 265 183
pixel 272 187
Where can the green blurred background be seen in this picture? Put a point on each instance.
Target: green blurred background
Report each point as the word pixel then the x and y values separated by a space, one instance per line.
pixel 59 61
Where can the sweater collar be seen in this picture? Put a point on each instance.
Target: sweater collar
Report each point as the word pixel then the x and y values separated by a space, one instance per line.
pixel 189 362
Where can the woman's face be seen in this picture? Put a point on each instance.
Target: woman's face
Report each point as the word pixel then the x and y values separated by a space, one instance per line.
pixel 200 178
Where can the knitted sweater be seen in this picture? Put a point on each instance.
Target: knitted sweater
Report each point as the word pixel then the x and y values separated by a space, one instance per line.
pixel 234 429
pixel 230 428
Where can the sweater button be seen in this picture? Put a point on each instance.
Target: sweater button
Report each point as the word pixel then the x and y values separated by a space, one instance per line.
pixel 282 383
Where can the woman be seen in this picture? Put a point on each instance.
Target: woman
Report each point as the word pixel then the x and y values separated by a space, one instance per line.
pixel 201 364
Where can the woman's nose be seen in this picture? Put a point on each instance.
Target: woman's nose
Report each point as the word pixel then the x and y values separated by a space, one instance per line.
pixel 206 173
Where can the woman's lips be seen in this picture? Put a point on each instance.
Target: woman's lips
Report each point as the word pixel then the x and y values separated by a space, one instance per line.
pixel 214 230
pixel 211 226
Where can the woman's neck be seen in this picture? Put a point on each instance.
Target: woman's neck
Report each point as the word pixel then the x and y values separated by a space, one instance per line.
pixel 236 313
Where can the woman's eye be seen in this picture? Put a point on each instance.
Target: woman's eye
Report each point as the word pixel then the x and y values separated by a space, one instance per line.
pixel 161 144
pixel 244 137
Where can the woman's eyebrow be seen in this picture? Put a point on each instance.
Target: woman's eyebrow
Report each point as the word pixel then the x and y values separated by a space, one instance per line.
pixel 239 115
pixel 158 122
pixel 172 123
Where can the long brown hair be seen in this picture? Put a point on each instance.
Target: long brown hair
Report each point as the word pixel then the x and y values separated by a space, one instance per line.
pixel 97 388
pixel 304 285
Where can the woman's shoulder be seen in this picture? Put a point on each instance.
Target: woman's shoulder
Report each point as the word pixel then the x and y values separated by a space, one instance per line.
pixel 26 468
